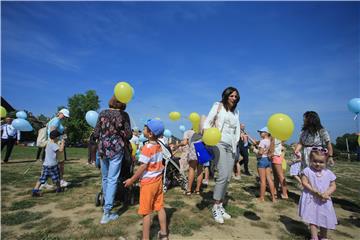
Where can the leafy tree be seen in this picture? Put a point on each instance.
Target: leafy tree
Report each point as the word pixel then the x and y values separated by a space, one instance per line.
pixel 76 127
pixel 341 142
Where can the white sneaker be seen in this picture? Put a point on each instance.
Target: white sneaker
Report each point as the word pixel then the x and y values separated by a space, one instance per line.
pixel 205 182
pixel 107 217
pixel 224 214
pixel 64 183
pixel 46 186
pixel 218 217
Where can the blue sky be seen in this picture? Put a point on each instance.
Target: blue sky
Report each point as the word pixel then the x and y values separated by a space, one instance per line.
pixel 286 57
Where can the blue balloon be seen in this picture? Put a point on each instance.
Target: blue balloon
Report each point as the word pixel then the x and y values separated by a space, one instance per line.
pixel 22 125
pixel 354 105
pixel 91 118
pixel 167 133
pixel 21 114
pixel 142 138
pixel 182 128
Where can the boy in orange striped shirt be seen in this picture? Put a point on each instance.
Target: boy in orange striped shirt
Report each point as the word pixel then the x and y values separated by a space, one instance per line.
pixel 150 173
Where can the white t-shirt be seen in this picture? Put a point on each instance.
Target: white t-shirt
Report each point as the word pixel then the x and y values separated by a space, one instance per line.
pixel 228 134
pixel 265 144
pixel 278 147
pixel 134 140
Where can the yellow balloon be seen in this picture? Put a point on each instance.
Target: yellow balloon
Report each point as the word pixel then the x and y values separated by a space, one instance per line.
pixel 123 92
pixel 281 126
pixel 133 146
pixel 194 117
pixel 212 136
pixel 284 164
pixel 174 116
pixel 3 112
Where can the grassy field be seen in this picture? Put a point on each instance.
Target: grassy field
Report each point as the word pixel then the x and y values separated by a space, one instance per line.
pixel 73 215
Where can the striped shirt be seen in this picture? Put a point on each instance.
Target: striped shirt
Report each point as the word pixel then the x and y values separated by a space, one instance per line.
pixel 151 154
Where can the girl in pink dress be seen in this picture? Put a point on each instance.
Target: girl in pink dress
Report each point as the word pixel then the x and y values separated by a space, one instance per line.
pixel 315 205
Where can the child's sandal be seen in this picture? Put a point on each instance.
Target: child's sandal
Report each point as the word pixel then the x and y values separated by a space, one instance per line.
pixel 197 192
pixel 163 236
pixel 187 193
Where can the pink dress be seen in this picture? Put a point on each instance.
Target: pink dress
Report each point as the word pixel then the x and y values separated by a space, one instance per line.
pixel 313 210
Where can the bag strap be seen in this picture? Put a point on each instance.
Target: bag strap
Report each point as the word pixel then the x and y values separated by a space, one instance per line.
pixel 216 115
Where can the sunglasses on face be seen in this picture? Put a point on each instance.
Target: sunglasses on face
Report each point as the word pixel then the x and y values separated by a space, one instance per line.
pixel 319 149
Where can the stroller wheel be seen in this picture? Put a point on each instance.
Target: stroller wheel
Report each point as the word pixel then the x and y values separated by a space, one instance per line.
pixel 99 199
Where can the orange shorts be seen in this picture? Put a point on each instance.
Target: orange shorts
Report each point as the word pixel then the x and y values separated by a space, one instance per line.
pixel 151 197
pixel 277 159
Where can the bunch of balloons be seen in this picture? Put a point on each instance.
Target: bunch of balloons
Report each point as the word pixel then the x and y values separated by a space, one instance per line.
pixel 20 123
pixel 123 92
pixel 174 116
pixel 91 118
pixel 195 121
pixel 354 106
pixel 281 126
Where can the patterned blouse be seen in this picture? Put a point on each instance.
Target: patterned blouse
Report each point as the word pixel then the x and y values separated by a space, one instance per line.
pixel 112 131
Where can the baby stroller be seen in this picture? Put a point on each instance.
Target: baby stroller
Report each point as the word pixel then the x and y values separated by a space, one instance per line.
pixel 172 175
pixel 124 195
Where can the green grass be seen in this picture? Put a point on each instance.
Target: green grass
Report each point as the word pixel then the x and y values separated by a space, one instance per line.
pixel 183 225
pixel 234 211
pixel 186 215
pixel 21 217
pixel 22 204
pixel 177 204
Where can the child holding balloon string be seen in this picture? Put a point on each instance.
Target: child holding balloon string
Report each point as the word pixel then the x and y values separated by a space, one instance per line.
pixel 264 164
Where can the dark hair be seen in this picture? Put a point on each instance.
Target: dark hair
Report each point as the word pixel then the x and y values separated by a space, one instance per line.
pixel 114 103
pixel 225 95
pixel 312 122
pixel 54 134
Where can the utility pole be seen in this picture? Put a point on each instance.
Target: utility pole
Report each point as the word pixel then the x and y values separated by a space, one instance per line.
pixel 347 148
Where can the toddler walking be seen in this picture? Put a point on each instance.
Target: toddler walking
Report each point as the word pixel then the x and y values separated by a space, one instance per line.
pixel 50 165
pixel 315 205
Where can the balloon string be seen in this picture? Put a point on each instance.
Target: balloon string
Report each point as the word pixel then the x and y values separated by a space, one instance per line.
pixel 356 115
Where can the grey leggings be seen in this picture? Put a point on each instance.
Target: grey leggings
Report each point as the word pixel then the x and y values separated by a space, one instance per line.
pixel 225 165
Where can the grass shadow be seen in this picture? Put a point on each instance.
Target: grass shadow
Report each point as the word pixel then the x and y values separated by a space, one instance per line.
pixel 155 226
pixel 294 197
pixel 295 227
pixel 346 204
pixel 251 216
pixel 206 201
pixel 252 190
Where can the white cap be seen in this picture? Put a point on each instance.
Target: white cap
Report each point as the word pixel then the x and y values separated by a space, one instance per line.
pixel 264 129
pixel 65 112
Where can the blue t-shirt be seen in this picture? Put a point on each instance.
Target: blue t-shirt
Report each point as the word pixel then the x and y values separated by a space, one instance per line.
pixel 50 154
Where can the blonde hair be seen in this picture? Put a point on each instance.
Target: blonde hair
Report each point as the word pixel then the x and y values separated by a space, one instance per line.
pixel 319 154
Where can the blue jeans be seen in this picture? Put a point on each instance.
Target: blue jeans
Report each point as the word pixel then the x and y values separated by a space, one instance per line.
pixel 110 171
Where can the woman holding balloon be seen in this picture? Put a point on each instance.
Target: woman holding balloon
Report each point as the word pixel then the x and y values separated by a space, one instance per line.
pixel 224 116
pixel 313 134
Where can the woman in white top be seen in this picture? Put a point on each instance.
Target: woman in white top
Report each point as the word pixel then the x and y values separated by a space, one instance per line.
pixel 224 116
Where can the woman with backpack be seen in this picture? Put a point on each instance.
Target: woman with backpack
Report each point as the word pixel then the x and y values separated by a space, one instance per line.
pixel 224 116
